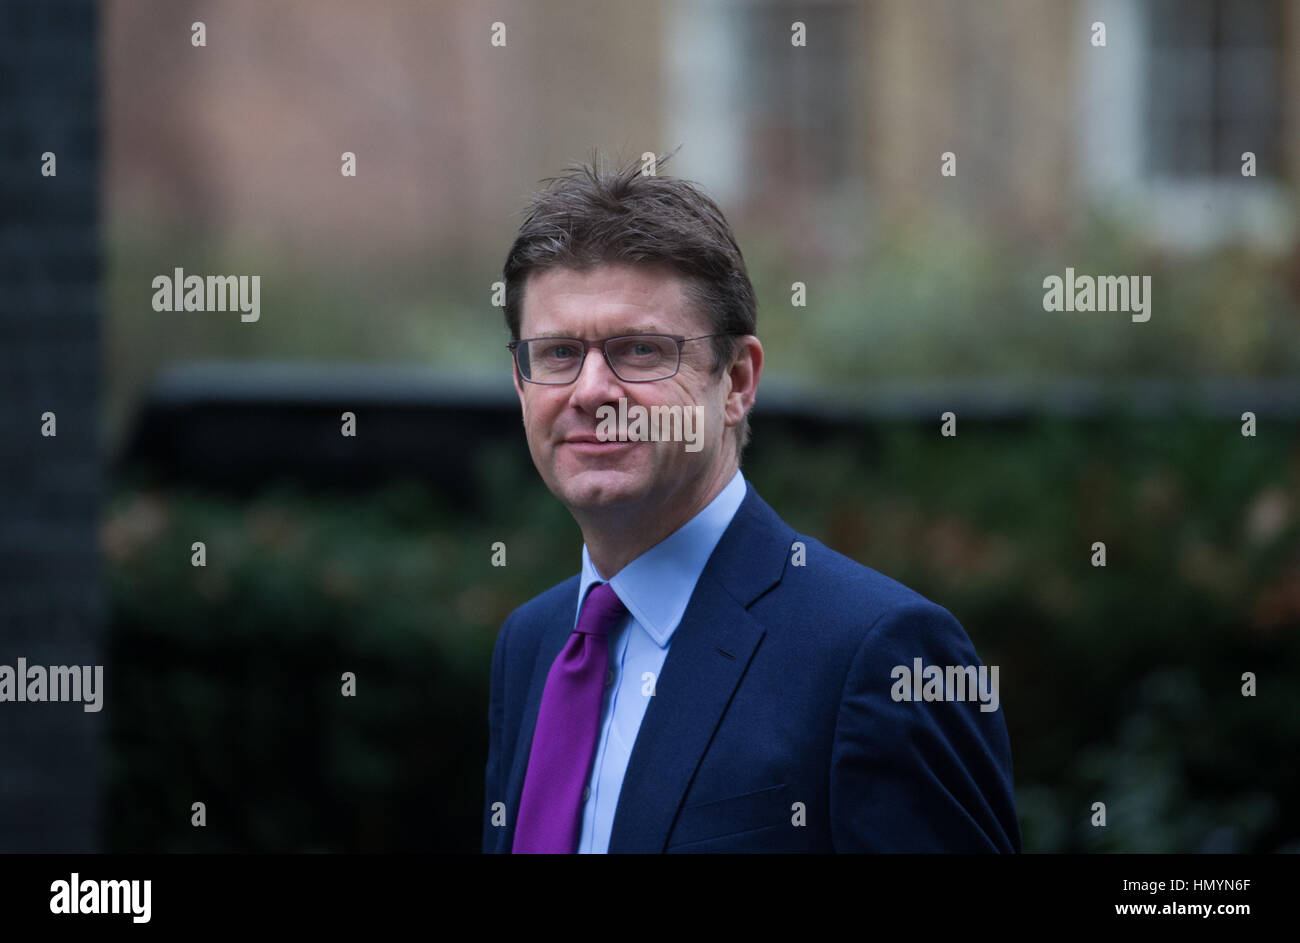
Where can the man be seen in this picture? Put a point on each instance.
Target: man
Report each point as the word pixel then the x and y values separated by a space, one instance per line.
pixel 711 681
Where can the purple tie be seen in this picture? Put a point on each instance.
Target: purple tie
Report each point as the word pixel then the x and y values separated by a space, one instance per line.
pixel 564 740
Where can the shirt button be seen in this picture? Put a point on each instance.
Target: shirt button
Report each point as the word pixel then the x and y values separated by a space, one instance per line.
pixel 586 793
pixel 609 677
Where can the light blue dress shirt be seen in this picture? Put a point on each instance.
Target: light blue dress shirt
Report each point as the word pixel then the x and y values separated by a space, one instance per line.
pixel 656 588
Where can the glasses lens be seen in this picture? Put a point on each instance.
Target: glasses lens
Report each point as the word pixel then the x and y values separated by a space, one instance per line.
pixel 643 356
pixel 550 359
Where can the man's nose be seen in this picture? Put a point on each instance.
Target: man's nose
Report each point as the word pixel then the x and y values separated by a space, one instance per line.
pixel 596 384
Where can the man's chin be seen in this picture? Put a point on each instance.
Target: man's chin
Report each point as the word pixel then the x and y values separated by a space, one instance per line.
pixel 597 489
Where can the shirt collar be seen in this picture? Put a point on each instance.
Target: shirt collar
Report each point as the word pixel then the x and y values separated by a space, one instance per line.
pixel 657 586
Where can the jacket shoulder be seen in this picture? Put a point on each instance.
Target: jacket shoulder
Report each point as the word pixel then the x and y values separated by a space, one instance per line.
pixel 833 605
pixel 847 599
pixel 799 580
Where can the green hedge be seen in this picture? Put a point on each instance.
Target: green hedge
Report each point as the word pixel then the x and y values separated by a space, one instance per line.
pixel 1120 685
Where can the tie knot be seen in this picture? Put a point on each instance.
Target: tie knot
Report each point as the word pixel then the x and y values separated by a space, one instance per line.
pixel 601 611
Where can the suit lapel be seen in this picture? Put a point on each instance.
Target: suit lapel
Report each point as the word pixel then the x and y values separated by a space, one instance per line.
pixel 710 651
pixel 708 656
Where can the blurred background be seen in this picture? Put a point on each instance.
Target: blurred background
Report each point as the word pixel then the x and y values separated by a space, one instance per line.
pixel 372 554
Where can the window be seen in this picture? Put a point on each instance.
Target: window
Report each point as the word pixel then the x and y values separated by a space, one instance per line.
pixel 1214 78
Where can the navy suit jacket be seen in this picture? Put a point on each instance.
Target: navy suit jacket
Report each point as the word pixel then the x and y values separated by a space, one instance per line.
pixel 772 726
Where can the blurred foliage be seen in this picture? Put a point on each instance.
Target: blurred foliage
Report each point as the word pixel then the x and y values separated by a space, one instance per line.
pixel 1120 684
pixel 922 297
pixel 940 296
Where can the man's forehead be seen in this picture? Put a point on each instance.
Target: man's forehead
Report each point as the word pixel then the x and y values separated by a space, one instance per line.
pixel 649 295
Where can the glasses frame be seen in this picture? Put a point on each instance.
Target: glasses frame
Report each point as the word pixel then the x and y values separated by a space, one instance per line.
pixel 586 346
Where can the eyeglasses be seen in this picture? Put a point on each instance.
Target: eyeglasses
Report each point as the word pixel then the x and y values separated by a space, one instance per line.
pixel 634 358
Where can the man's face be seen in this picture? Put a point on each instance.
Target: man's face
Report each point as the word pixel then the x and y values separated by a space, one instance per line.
pixel 561 421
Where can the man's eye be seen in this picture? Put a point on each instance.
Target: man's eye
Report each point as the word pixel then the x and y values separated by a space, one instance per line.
pixel 558 352
pixel 640 350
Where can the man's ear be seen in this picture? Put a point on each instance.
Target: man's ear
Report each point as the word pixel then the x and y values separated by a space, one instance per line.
pixel 519 389
pixel 743 374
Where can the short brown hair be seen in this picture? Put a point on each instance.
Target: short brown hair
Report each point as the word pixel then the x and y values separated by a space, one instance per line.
pixel 589 216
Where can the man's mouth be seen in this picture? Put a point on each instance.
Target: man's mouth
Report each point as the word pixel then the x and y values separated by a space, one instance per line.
pixel 590 445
